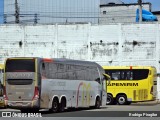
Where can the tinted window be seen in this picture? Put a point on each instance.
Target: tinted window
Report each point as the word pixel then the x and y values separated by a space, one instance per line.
pixel 20 65
pixel 123 74
pixel 69 71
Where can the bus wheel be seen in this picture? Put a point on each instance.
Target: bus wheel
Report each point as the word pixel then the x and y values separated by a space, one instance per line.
pixel 55 105
pixel 62 105
pixel 110 99
pixel 97 103
pixel 121 99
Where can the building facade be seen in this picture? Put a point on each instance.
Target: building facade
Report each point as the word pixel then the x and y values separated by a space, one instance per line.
pixel 120 13
pixel 157 13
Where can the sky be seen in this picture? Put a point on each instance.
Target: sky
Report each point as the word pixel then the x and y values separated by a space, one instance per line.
pixel 1 11
pixel 155 3
pixel 50 11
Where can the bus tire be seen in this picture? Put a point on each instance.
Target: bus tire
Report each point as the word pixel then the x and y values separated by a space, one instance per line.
pixel 55 105
pixel 62 105
pixel 97 103
pixel 121 99
pixel 110 99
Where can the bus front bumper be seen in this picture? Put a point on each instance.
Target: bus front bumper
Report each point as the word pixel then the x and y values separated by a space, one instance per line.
pixel 22 104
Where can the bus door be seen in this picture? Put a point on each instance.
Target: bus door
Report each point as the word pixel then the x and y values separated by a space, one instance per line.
pixel 20 80
pixel 103 91
pixel 155 77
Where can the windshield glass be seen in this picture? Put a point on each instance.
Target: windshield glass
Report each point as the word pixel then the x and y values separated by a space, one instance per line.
pixel 20 65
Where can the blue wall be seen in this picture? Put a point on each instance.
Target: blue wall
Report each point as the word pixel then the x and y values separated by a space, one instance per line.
pixel 1 11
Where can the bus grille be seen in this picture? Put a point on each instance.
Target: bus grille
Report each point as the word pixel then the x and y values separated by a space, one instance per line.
pixel 134 94
pixel 140 95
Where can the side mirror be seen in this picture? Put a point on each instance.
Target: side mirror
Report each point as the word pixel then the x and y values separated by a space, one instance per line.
pixel 158 74
pixel 107 77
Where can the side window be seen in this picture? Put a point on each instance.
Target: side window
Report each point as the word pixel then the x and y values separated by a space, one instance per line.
pixel 139 74
pixel 127 74
pixel 114 74
pixel 96 75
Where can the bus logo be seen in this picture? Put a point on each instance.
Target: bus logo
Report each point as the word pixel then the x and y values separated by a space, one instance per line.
pixel 122 84
pixel 86 88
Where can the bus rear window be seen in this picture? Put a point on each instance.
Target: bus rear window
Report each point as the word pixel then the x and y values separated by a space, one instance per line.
pixel 20 65
pixel 124 74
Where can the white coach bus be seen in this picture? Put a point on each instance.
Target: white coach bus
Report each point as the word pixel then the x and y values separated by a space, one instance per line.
pixel 55 84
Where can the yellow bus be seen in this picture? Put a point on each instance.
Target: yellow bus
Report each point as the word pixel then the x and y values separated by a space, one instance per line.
pixel 131 84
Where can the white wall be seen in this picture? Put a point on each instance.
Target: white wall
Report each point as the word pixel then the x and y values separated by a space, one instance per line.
pixel 112 44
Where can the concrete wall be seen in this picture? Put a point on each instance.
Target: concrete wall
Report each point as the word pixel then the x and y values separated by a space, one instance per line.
pixel 112 44
pixel 120 13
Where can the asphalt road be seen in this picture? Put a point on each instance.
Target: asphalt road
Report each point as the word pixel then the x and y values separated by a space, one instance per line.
pixel 115 112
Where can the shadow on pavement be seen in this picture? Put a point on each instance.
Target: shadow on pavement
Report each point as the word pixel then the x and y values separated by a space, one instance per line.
pixel 70 110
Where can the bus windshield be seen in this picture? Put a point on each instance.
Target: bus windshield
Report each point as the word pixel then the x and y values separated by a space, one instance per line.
pixel 20 65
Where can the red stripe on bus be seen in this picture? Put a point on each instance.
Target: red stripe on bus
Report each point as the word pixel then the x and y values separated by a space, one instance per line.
pixel 78 92
pixel 47 60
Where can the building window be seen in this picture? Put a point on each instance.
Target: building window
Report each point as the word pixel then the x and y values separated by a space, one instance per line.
pixel 104 12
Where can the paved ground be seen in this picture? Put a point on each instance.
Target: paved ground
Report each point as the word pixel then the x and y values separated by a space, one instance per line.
pixel 117 111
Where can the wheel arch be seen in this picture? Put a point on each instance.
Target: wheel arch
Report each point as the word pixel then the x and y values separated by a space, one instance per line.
pixel 63 97
pixel 121 94
pixel 53 97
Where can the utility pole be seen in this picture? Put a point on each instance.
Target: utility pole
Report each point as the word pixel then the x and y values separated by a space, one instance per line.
pixel 35 19
pixel 5 19
pixel 140 10
pixel 16 12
